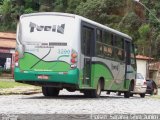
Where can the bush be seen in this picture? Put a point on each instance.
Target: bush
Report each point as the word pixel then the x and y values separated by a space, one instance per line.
pixel 1 70
pixel 7 71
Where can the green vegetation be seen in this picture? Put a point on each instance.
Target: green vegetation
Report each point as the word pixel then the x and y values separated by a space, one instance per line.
pixel 127 16
pixel 1 70
pixel 10 84
pixel 155 96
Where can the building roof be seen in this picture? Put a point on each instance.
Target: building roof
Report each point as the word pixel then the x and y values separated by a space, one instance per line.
pixel 142 57
pixel 7 43
pixel 8 35
pixel 7 40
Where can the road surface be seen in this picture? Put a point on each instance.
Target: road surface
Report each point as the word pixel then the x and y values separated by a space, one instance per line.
pixel 76 103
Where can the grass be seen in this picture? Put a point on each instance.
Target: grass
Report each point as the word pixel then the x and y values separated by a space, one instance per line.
pixel 8 87
pixel 10 84
pixel 156 96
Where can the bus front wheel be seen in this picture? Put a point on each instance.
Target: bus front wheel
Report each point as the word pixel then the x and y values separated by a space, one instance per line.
pixel 50 91
pixel 127 94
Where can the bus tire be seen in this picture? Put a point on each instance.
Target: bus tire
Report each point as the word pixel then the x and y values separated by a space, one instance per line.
pixel 54 92
pixel 94 93
pixel 97 92
pixel 45 91
pixel 50 91
pixel 127 94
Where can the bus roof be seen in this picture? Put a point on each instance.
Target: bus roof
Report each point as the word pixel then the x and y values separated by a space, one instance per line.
pixel 81 18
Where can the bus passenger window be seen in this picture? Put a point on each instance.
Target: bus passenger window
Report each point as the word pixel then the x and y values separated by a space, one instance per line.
pixel 108 38
pixel 132 54
pixel 99 49
pixel 99 35
pixel 87 37
pixel 119 48
pixel 118 42
pixel 121 54
pixel 108 51
pixel 99 45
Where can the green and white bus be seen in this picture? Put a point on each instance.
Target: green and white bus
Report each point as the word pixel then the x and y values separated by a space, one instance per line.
pixel 60 50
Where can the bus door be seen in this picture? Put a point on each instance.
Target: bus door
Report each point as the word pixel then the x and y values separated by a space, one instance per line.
pixel 127 60
pixel 130 62
pixel 87 50
pixel 128 53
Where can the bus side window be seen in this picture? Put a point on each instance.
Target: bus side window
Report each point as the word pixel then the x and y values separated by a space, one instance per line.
pixel 99 35
pixel 108 44
pixel 119 48
pixel 127 52
pixel 83 39
pixel 99 44
pixel 133 58
pixel 108 38
pixel 87 37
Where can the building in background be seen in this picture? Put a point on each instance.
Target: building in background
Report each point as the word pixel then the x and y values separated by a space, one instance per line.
pixel 7 50
pixel 142 65
pixel 154 72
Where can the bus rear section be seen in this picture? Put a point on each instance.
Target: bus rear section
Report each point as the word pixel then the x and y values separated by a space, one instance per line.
pixel 46 52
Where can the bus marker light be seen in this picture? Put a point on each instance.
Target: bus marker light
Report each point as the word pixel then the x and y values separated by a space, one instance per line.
pixel 16 56
pixel 16 53
pixel 73 60
pixel 74 55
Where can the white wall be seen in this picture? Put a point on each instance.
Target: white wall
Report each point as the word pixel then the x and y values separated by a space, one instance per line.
pixel 142 67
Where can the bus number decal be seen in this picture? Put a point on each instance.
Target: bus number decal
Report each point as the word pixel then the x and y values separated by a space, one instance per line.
pixel 64 51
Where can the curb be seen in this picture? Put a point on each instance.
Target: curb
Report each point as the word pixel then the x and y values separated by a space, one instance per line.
pixel 20 91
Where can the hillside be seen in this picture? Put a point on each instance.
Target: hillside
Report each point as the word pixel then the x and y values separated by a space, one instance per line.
pixel 137 20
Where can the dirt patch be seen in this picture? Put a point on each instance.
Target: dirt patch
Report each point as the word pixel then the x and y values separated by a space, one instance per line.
pixel 27 90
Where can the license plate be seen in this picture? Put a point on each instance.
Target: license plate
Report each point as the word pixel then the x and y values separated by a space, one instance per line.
pixel 44 77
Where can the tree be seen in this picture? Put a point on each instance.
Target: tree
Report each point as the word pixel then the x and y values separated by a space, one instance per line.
pixel 72 5
pixel 93 9
pixel 5 11
pixel 60 5
pixel 144 43
pixel 46 5
pixel 123 15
